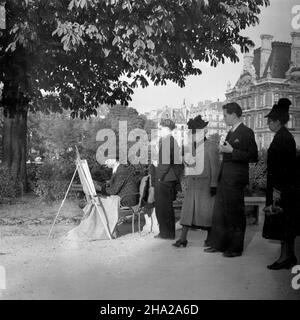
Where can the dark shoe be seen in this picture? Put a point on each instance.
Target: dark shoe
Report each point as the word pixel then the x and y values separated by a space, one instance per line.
pixel 180 243
pixel 286 264
pixel 231 254
pixel 210 250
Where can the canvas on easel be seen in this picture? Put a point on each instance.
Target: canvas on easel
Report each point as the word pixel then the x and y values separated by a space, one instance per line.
pixel 96 211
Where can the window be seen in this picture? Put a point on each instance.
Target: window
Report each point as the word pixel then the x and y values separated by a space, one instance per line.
pixel 264 102
pixel 265 121
pixel 261 100
pixel 257 105
pixel 291 122
pixel 297 102
pixel 276 97
pixel 291 97
pixel 260 120
pixel 249 121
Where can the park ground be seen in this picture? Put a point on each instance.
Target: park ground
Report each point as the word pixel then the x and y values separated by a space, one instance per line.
pixel 130 267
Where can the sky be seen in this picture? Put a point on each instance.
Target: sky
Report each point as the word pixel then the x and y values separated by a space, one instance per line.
pixel 212 83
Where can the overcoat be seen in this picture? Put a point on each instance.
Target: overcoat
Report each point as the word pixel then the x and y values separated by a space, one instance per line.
pixel 198 204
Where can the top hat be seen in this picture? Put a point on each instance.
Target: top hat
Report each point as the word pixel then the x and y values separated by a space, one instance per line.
pixel 279 110
pixel 197 123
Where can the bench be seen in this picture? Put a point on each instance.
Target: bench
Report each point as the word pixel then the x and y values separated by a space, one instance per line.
pixel 259 203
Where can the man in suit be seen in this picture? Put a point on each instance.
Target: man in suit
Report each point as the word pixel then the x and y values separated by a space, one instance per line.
pixel 166 179
pixel 229 222
pixel 122 183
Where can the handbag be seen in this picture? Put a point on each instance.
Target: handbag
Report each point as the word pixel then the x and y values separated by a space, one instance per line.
pixel 274 223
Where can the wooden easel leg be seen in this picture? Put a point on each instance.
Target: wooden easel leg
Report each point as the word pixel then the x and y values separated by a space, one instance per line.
pixel 139 222
pixel 132 222
pixel 63 201
pixel 104 223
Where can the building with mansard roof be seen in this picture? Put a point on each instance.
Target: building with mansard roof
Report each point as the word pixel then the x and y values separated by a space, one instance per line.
pixel 269 73
pixel 210 111
pixel 178 115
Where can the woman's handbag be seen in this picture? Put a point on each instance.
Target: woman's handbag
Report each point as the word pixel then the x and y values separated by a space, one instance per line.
pixel 273 228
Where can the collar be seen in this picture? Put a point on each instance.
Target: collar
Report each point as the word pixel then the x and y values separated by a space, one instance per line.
pixel 115 168
pixel 234 127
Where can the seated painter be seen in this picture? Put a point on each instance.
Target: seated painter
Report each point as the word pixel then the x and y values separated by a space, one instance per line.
pixel 122 183
pixel 121 189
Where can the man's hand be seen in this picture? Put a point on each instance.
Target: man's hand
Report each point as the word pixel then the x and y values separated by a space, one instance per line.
pixel 97 186
pixel 226 148
pixel 155 163
pixel 276 195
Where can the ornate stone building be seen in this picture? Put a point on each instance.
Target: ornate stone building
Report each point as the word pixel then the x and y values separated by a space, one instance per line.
pixel 269 73
pixel 212 112
pixel 178 115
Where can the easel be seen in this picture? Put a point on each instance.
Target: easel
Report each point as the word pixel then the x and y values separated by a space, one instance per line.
pixel 89 190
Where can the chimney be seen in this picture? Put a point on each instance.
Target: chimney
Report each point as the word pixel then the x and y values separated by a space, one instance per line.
pixel 265 51
pixel 248 60
pixel 295 49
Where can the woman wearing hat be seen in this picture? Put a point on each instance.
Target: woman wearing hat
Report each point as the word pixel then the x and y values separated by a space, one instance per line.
pixel 201 188
pixel 281 184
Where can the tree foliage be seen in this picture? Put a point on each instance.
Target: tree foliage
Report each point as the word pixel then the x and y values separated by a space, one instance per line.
pixel 83 51
pixel 79 54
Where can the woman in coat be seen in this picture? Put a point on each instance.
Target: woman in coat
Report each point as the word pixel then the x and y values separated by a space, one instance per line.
pixel 198 202
pixel 281 186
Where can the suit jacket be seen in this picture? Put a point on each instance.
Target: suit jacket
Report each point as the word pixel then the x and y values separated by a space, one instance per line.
pixel 281 165
pixel 235 165
pixel 123 184
pixel 169 166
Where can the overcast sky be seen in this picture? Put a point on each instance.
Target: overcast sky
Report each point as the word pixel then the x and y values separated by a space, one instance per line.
pixel 211 85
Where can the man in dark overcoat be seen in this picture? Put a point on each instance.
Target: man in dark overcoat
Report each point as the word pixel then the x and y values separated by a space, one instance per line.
pixel 229 221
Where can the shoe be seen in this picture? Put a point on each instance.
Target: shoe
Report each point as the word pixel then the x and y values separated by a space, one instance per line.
pixel 210 250
pixel 206 245
pixel 180 243
pixel 286 264
pixel 231 254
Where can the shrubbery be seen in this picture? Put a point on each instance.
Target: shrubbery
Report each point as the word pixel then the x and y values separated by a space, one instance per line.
pixel 52 180
pixel 258 174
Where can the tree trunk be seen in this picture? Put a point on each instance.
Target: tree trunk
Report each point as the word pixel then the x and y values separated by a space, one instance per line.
pixel 15 144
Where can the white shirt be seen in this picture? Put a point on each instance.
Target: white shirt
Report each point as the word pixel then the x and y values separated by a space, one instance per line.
pixel 115 168
pixel 234 127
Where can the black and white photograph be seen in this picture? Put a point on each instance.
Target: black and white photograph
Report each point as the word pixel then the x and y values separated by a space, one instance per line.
pixel 149 151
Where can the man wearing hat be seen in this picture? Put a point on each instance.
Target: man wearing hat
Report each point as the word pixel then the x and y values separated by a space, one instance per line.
pixel 229 221
pixel 167 175
pixel 281 187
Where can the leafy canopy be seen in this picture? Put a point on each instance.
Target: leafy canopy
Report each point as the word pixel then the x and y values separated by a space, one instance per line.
pixel 90 52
